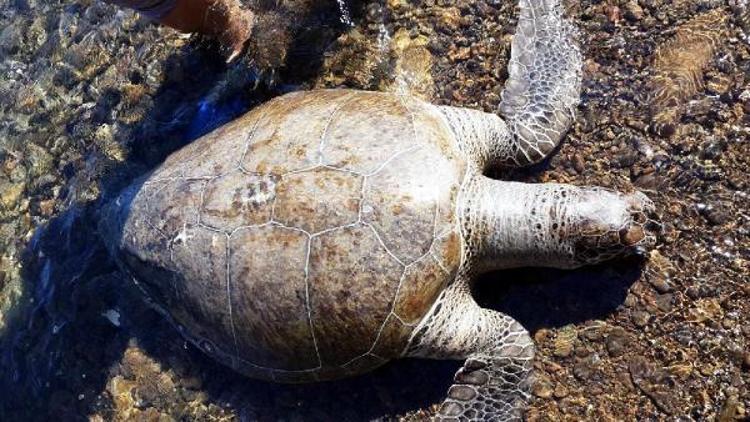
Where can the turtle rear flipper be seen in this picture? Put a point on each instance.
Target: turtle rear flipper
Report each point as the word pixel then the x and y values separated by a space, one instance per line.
pixel 495 381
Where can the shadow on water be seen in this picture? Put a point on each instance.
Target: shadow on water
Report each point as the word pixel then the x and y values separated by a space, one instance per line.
pixel 83 314
pixel 545 297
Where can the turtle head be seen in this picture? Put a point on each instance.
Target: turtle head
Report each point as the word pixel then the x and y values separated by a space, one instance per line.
pixel 603 224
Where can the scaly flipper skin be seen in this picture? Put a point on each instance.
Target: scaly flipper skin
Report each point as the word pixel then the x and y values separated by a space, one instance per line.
pixel 544 82
pixel 512 224
pixel 540 96
pixel 496 379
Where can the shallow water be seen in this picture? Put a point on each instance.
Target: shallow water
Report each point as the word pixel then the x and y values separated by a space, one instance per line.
pixel 92 97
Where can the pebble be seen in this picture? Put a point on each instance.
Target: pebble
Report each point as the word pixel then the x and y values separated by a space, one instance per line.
pixel 665 302
pixel 640 318
pixel 633 11
pixel 729 410
pixel 659 272
pixel 614 13
pixel 11 37
pixel 584 369
pixel 561 391
pixel 565 340
pixel 713 149
pixel 578 163
pixel 543 388
pixel 650 181
pixel 714 215
pixel 617 342
pixel 10 195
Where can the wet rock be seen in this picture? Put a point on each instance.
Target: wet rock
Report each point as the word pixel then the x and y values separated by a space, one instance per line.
pixel 664 302
pixel 40 161
pixel 660 271
pixel 565 341
pixel 654 383
pixel 121 391
pixel 706 309
pixel 730 410
pixel 618 342
pixel 640 318
pixel 627 158
pixel 714 215
pixel 10 195
pixel 578 163
pixel 633 11
pixel 713 149
pixel 11 37
pixel 586 369
pixel 681 370
pixel 561 391
pixel 614 13
pixel 650 181
pixel 543 388
pixel 413 62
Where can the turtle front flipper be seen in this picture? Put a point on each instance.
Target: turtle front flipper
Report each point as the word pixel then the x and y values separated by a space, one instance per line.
pixel 544 83
pixel 540 96
pixel 495 381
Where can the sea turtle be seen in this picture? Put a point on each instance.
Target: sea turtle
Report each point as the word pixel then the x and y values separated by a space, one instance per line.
pixel 325 233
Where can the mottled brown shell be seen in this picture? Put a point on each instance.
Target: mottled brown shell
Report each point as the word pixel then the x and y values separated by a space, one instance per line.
pixel 306 239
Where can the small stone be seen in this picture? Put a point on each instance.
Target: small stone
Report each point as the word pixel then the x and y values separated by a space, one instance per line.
pixel 681 370
pixel 10 195
pixel 11 38
pixel 617 342
pixel 564 341
pixel 706 370
pixel 626 158
pixel 542 335
pixel 746 361
pixel 578 163
pixel 715 216
pixel 47 207
pixel 713 149
pixel 543 389
pixel 633 11
pixel 561 391
pixel 730 409
pixel 660 270
pixel 630 300
pixel 728 323
pixel 705 309
pixel 665 302
pixel 614 14
pixel 583 369
pixel 640 318
pixel 648 181
pixel 121 391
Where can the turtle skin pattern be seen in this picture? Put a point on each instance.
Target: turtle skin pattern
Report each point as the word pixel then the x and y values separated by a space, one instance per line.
pixel 305 240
